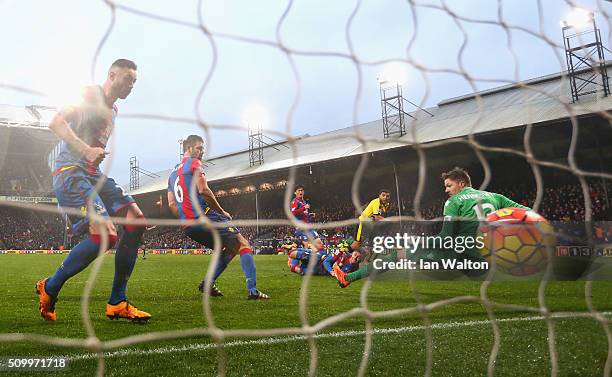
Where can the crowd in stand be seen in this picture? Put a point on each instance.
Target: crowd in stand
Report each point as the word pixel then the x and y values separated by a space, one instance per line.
pixel 23 229
pixel 168 238
pixel 562 203
pixel 17 181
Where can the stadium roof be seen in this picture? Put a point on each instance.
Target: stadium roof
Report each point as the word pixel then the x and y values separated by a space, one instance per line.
pixel 26 127
pixel 529 102
pixel 26 116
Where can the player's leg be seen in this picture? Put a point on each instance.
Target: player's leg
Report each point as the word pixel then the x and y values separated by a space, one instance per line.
pixel 78 259
pixel 358 237
pixel 302 264
pixel 294 265
pixel 248 267
pixel 301 238
pixel 344 279
pixel 73 188
pixel 317 244
pixel 80 256
pixel 126 252
pixel 299 253
pixel 311 237
pixel 224 260
pixel 437 255
pixel 235 242
pixel 317 268
pixel 204 236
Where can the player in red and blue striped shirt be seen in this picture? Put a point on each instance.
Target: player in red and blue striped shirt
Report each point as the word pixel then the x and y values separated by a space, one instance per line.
pixel 187 183
pixel 80 185
pixel 300 208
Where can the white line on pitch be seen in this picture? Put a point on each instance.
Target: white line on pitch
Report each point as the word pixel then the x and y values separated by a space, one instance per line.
pixel 338 334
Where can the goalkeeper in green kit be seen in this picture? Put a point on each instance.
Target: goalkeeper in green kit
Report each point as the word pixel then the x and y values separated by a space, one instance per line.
pixel 462 212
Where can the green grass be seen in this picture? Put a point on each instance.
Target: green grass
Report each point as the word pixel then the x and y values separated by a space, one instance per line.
pixel 165 285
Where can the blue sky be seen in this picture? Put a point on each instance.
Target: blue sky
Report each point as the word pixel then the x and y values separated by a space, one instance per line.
pixel 50 46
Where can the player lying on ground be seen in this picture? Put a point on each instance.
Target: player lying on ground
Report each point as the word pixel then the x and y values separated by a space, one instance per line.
pixel 188 181
pixel 375 211
pixel 84 131
pixel 462 212
pixel 299 259
pixel 300 208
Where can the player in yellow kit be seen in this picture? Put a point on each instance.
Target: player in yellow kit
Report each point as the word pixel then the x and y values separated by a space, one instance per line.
pixel 375 211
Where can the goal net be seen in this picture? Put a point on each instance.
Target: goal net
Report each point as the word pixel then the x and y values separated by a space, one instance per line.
pixel 360 96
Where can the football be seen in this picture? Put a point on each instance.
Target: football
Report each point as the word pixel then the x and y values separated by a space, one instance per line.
pixel 516 241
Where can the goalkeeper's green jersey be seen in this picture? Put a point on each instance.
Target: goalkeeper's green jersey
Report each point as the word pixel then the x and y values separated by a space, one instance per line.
pixel 470 203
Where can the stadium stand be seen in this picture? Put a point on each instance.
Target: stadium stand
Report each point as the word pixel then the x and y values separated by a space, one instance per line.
pixel 27 147
pixel 326 164
pixel 22 229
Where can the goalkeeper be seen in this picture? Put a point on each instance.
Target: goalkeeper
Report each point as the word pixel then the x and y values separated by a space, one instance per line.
pixel 463 210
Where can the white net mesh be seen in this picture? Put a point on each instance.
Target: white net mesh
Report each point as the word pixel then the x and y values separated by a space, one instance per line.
pixel 472 68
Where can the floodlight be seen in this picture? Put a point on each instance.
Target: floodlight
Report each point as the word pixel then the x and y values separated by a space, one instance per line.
pixel 578 18
pixel 393 73
pixel 255 115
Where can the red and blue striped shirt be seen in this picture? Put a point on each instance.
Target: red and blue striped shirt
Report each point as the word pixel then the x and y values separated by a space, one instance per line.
pixel 184 189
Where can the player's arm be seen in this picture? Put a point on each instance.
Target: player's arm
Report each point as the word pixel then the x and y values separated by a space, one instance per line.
pixel 207 193
pixel 328 264
pixel 171 201
pixel 295 207
pixel 310 214
pixel 505 202
pixel 172 204
pixel 60 125
pixel 451 213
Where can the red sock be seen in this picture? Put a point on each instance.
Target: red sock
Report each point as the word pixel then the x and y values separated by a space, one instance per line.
pixel 245 250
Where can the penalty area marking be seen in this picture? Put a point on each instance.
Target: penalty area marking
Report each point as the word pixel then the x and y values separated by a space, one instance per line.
pixel 338 334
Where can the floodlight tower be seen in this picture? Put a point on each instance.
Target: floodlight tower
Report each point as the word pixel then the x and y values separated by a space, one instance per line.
pixel 255 145
pixel 255 116
pixel 136 171
pixel 134 176
pixel 584 54
pixel 392 110
pixel 392 100
pixel 181 153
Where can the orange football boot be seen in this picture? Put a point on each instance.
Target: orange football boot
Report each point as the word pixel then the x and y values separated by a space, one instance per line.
pixel 340 276
pixel 46 303
pixel 128 311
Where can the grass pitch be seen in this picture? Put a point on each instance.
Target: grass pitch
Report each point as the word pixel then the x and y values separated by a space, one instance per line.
pixel 165 285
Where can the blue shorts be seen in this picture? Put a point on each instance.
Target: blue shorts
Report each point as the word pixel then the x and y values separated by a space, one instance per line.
pixel 302 234
pixel 73 187
pixel 316 270
pixel 204 235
